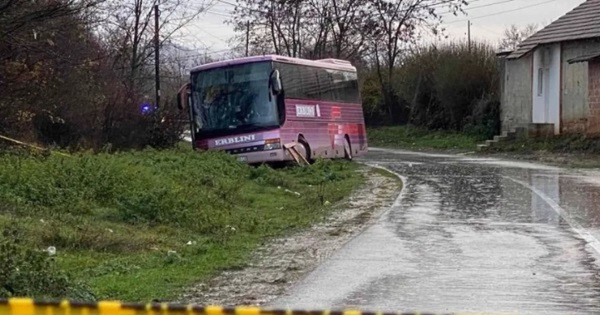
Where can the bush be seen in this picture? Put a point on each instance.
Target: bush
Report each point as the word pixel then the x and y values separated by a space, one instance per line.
pixel 452 87
pixel 484 121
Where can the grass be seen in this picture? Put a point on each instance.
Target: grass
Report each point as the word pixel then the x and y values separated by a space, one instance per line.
pixel 567 150
pixel 143 226
pixel 558 144
pixel 413 138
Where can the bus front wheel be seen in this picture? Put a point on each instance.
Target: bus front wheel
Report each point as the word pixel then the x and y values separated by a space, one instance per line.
pixel 347 149
pixel 304 150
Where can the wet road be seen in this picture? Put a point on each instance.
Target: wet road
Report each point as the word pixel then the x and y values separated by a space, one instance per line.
pixel 470 235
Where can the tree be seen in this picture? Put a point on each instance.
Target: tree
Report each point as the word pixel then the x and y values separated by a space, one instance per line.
pixel 303 28
pixel 16 15
pixel 356 30
pixel 340 29
pixel 514 35
pixel 129 30
pixel 75 72
pixel 395 25
pixel 278 20
pixel 47 55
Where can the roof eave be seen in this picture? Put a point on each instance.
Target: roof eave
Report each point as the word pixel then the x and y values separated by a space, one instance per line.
pixel 519 53
pixel 585 58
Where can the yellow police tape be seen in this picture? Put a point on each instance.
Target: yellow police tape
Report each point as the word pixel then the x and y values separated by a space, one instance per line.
pixel 24 306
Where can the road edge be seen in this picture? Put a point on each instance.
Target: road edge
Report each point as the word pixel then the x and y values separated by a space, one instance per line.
pixel 283 262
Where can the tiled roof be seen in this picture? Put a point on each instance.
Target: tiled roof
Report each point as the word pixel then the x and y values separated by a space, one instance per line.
pixel 583 22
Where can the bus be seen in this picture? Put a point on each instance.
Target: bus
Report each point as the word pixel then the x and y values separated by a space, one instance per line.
pixel 264 108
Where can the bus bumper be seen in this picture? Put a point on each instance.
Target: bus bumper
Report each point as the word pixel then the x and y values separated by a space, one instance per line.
pixel 264 156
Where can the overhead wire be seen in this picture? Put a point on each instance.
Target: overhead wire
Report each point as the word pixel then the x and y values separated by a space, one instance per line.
pixel 211 11
pixel 502 12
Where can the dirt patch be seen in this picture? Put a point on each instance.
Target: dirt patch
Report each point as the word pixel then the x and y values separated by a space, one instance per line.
pixel 279 264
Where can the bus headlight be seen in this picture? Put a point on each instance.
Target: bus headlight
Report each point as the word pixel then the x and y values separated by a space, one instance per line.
pixel 272 144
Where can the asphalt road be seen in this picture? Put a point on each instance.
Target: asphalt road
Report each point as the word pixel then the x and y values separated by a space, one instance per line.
pixel 469 235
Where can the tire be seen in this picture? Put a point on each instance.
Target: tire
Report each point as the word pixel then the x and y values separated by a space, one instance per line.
pixel 304 150
pixel 347 150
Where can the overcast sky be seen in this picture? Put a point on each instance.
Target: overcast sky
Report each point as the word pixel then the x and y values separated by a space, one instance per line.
pixel 488 17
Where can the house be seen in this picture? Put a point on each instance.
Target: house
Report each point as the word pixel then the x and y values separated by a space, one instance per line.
pixel 551 82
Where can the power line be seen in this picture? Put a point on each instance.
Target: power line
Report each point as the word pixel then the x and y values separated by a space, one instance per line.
pixel 502 12
pixel 207 53
pixel 213 36
pixel 228 3
pixel 243 7
pixel 446 2
pixel 488 5
pixel 489 30
pixel 433 5
pixel 217 13
pixel 480 6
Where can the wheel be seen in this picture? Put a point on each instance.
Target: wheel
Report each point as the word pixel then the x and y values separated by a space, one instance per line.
pixel 347 150
pixel 304 149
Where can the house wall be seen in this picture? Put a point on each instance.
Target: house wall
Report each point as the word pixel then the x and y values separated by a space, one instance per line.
pixel 593 122
pixel 516 101
pixel 574 104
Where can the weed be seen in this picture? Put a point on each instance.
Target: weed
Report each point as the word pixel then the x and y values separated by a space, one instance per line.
pixel 25 271
pixel 408 137
pixel 143 225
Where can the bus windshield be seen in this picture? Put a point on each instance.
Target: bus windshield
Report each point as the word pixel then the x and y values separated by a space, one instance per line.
pixel 235 97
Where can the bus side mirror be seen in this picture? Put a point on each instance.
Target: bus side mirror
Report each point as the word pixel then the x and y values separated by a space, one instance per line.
pixel 275 82
pixel 183 96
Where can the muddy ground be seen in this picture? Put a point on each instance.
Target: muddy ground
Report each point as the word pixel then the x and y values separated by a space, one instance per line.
pixel 279 264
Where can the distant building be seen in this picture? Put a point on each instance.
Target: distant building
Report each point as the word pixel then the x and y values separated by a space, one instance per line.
pixel 551 82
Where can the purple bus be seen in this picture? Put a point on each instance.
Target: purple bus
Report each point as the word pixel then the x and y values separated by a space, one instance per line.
pixel 262 108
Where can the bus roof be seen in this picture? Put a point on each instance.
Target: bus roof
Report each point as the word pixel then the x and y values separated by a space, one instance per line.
pixel 334 64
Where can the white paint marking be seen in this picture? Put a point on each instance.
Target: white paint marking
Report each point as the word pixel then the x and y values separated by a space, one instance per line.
pixel 583 233
pixel 406 152
pixel 473 160
pixel 404 180
pixel 592 241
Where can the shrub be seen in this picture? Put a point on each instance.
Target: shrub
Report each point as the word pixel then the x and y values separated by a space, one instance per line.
pixel 449 87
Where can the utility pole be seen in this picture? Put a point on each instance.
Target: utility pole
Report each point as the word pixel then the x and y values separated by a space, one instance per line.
pixel 469 34
pixel 156 55
pixel 247 38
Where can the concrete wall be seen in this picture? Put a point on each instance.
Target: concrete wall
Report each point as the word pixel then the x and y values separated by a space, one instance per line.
pixel 516 106
pixel 574 103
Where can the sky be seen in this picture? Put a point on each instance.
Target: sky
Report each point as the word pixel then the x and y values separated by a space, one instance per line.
pixel 489 18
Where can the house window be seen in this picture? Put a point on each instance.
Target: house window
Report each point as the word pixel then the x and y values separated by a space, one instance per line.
pixel 540 86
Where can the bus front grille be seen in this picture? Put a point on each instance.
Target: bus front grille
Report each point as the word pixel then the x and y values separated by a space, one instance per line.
pixel 255 148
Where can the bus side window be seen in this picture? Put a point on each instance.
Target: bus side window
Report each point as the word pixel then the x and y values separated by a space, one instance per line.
pixel 338 85
pixel 310 83
pixel 299 82
pixel 351 90
pixel 345 86
pixel 325 85
pixel 291 80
